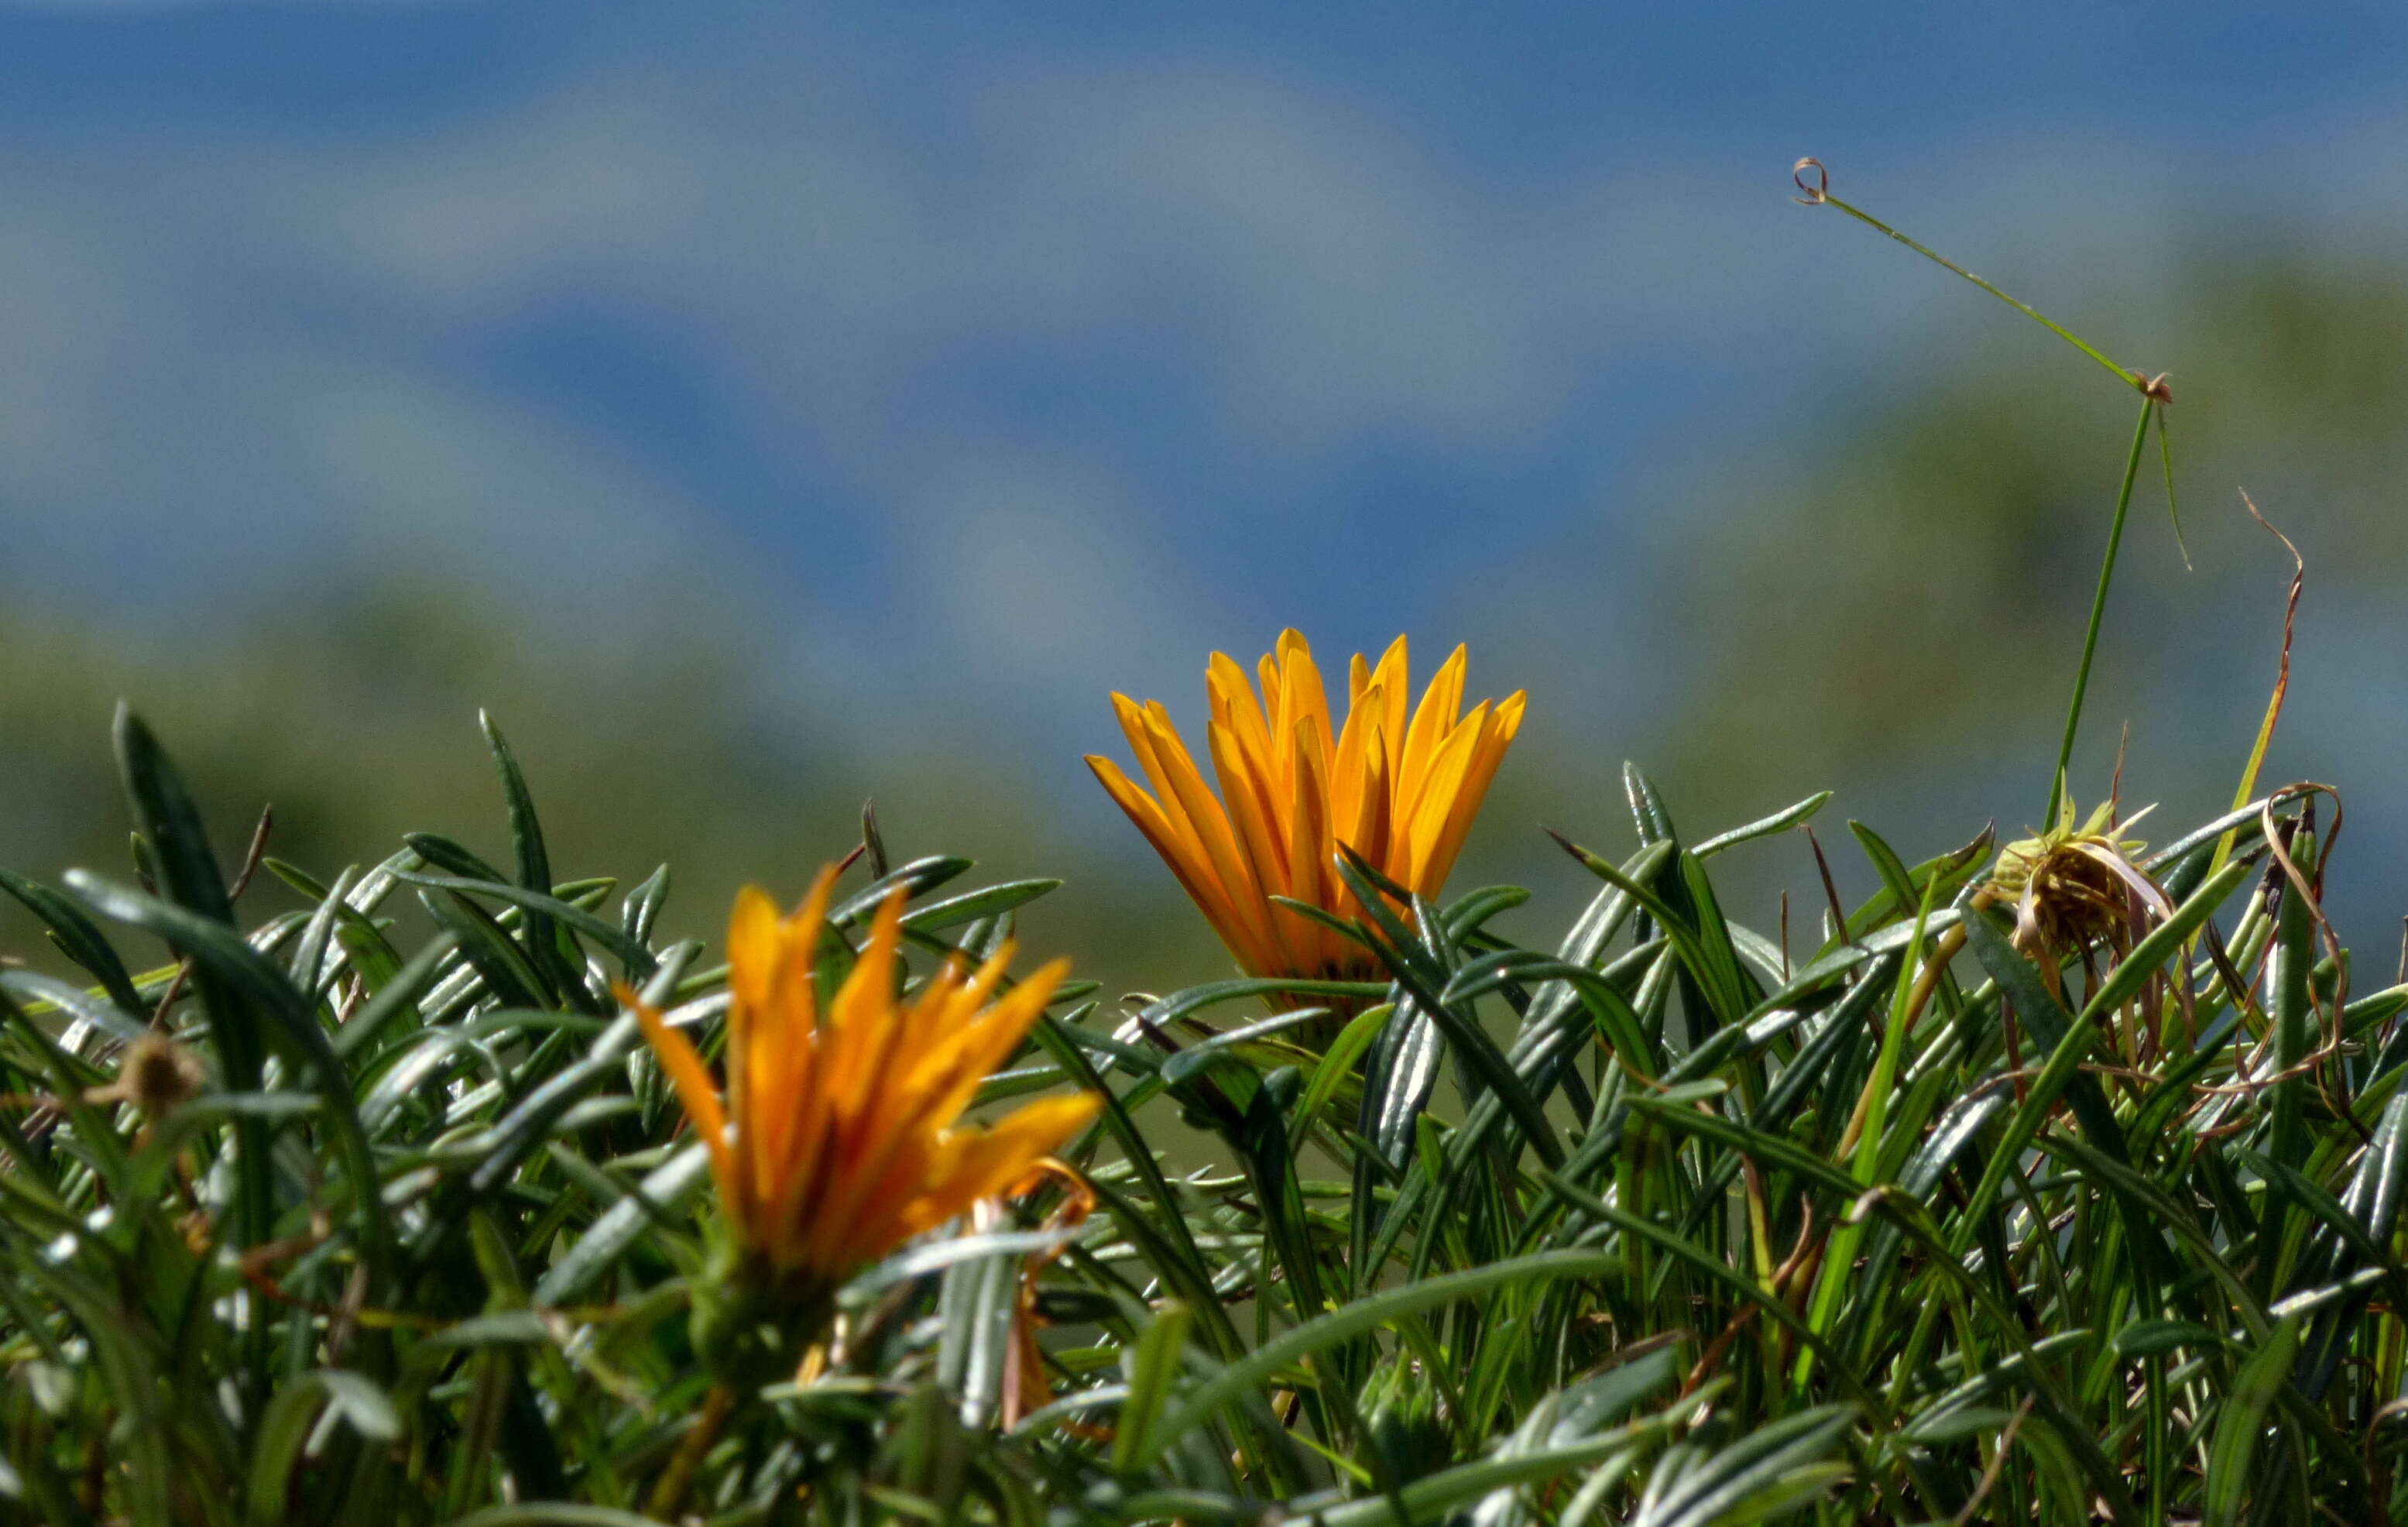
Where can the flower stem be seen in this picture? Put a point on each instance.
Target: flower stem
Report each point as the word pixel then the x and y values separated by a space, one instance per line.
pixel 1821 197
pixel 669 1494
pixel 2098 612
pixel 1817 192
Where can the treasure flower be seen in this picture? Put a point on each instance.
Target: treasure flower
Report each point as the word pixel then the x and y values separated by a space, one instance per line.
pixel 1397 784
pixel 840 1135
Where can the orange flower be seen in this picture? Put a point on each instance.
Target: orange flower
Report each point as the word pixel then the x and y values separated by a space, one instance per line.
pixel 1399 789
pixel 846 1138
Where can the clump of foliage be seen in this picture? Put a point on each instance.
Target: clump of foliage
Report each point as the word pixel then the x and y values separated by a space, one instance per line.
pixel 1668 1223
pixel 2061 1183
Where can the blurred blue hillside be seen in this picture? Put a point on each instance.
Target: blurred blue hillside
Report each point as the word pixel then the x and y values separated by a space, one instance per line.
pixel 919 373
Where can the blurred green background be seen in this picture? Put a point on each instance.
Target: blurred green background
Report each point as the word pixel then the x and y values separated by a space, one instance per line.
pixel 1886 601
pixel 759 414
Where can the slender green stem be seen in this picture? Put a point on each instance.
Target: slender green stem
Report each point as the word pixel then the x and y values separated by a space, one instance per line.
pixel 2159 1446
pixel 2173 510
pixel 2123 374
pixel 2098 613
pixel 669 1494
pixel 2153 392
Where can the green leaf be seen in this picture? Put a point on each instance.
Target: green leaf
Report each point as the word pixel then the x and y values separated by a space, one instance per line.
pixel 397 996
pixel 1154 1365
pixel 1433 1497
pixel 942 1256
pixel 988 901
pixel 446 854
pixel 287 1426
pixel 552 1514
pixel 633 956
pixel 2241 1421
pixel 1337 1066
pixel 187 877
pixel 916 879
pixel 527 833
pixel 1769 1469
pixel 1704 1262
pixel 77 937
pixel 1355 1320
pixel 1766 1149
pixel 2048 1021
pixel 171 825
pixel 665 1190
pixel 1781 820
pixel 1194 1060
pixel 976 1301
pixel 2155 1337
pixel 642 907
pixel 499 963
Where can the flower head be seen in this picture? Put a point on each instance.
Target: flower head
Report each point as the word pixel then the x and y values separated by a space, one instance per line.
pixel 840 1135
pixel 156 1074
pixel 2076 888
pixel 1398 784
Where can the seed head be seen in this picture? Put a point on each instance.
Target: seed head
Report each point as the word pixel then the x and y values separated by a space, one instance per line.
pixel 157 1075
pixel 2076 888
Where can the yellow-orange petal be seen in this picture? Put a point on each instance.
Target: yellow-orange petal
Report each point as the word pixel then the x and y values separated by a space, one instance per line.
pixel 1433 719
pixel 1425 814
pixel 908 1118
pixel 980 1163
pixel 1234 701
pixel 753 949
pixel 691 1079
pixel 1186 858
pixel 1503 724
pixel 1390 676
pixel 1368 834
pixel 1350 771
pixel 987 1042
pixel 1211 824
pixel 1303 697
pixel 1256 821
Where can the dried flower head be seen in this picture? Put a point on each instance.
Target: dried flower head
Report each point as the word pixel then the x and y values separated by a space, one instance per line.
pixel 156 1074
pixel 2077 888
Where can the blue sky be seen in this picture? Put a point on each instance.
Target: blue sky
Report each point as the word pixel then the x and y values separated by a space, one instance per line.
pixel 983 359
